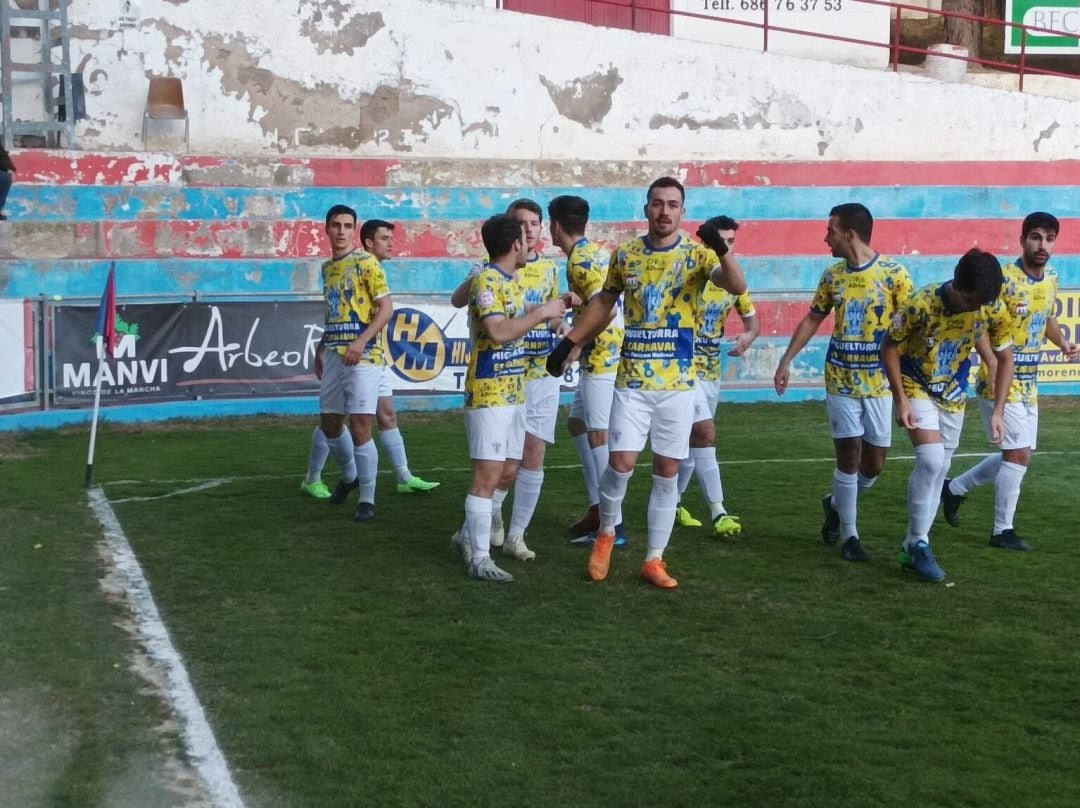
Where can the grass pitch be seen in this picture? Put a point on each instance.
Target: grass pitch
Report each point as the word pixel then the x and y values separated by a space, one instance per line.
pixel 353 665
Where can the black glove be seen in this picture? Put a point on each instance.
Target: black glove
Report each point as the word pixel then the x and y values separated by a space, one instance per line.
pixel 709 233
pixel 557 358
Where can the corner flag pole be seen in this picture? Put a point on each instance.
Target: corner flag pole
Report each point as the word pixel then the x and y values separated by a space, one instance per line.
pixel 106 328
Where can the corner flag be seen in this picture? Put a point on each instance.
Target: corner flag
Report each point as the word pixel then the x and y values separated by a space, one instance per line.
pixel 106 318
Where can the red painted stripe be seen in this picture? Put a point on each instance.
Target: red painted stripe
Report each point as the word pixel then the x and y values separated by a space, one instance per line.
pixel 859 173
pixel 305 238
pixel 67 168
pixel 778 318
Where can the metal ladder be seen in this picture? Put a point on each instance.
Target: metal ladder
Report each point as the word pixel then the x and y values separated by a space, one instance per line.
pixel 47 23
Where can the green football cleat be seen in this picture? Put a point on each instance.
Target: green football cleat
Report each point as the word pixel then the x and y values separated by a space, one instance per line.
pixel 726 525
pixel 315 490
pixel 684 518
pixel 416 486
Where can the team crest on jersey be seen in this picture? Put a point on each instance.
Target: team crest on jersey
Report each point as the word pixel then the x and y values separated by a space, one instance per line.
pixel 1022 310
pixel 632 281
pixel 486 298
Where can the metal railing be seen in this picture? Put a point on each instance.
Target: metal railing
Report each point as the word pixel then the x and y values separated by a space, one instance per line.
pixel 894 46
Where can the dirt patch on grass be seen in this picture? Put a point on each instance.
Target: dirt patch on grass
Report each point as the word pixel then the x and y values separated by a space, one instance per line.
pixel 12 448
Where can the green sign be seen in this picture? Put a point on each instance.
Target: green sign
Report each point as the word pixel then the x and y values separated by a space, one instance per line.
pixel 1062 16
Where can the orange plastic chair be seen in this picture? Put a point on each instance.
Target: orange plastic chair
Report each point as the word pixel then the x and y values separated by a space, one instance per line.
pixel 165 102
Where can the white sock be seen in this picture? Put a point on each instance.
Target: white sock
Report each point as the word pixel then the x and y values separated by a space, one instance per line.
pixel 478 519
pixel 526 495
pixel 394 445
pixel 1007 494
pixel 845 501
pixel 588 467
pixel 498 498
pixel 343 451
pixel 320 450
pixel 662 503
pixel 866 482
pixel 600 456
pixel 686 471
pixel 367 469
pixel 982 473
pixel 924 491
pixel 708 475
pixel 612 490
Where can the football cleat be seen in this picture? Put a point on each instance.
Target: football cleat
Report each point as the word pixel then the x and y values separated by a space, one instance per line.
pixel 726 525
pixel 921 559
pixel 655 572
pixel 950 503
pixel 589 539
pixel 830 531
pixel 600 558
pixel 498 532
pixel 589 523
pixel 416 486
pixel 515 546
pixel 684 518
pixel 315 490
pixel 485 570
pixel 1008 540
pixel 342 491
pixel 365 512
pixel 852 550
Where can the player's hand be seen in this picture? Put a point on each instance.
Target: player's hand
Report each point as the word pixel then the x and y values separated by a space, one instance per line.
pixel 553 309
pixel 904 415
pixel 742 342
pixel 318 365
pixel 709 233
pixel 997 427
pixel 355 352
pixel 571 300
pixel 563 328
pixel 780 379
pixel 1071 351
pixel 557 359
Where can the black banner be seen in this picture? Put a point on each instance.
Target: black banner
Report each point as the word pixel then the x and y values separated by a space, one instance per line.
pixel 189 350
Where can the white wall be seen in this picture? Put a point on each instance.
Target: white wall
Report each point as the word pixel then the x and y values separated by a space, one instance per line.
pixel 429 78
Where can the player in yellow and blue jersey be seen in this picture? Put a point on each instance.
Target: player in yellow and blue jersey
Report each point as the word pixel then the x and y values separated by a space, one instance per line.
pixel 864 291
pixel 358 307
pixel 927 357
pixel 377 238
pixel 713 308
pixel 586 270
pixel 1030 297
pixel 659 276
pixel 495 385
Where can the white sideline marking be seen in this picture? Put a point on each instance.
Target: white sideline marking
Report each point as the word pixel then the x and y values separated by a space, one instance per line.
pixel 199 739
pixel 200 483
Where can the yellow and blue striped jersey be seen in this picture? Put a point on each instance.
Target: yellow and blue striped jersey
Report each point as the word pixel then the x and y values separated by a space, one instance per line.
pixel 539 282
pixel 713 309
pixel 1030 303
pixel 865 300
pixel 660 289
pixel 351 286
pixel 496 373
pixel 935 344
pixel 586 271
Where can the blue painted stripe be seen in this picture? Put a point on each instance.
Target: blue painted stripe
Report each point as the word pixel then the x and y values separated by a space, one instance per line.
pixel 753 203
pixel 309 405
pixel 417 276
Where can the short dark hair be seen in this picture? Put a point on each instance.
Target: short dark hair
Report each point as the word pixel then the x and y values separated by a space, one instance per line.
pixel 337 210
pixel 499 233
pixel 725 223
pixel 525 204
pixel 666 182
pixel 855 216
pixel 1037 220
pixel 979 272
pixel 367 230
pixel 571 213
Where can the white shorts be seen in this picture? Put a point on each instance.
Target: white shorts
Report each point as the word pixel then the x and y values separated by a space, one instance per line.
pixel 664 417
pixel 866 418
pixel 386 383
pixel 706 397
pixel 1021 423
pixel 929 415
pixel 495 433
pixel 542 407
pixel 592 400
pixel 349 389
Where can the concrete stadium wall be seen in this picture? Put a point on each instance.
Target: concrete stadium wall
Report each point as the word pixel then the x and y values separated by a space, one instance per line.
pixel 450 80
